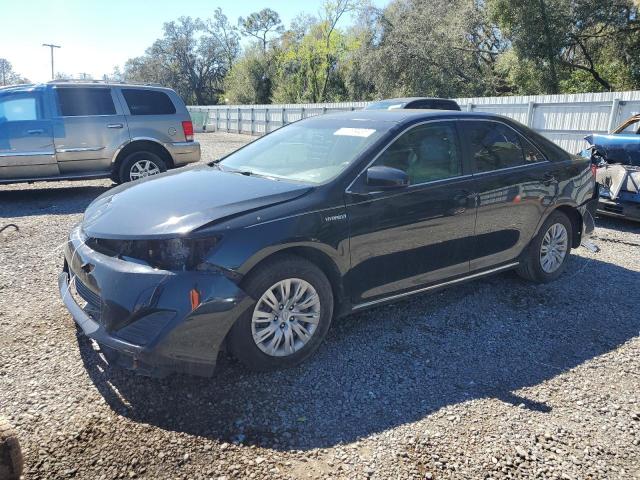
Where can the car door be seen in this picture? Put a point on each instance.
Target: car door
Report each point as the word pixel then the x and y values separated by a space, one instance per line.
pixel 406 238
pixel 515 185
pixel 26 137
pixel 89 129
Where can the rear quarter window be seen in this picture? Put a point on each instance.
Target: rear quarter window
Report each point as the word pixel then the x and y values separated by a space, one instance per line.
pixel 78 102
pixel 148 102
pixel 551 151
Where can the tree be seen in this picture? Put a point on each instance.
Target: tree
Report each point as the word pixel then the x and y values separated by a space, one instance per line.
pixel 189 58
pixel 574 39
pixel 438 48
pixel 8 76
pixel 250 79
pixel 226 35
pixel 260 25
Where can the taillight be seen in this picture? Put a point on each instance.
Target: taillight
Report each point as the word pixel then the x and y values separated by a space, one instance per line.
pixel 594 169
pixel 187 128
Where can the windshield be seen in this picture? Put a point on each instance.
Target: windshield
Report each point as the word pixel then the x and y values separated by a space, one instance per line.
pixel 312 152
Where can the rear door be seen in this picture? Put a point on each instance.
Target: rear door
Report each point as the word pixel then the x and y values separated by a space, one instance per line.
pixel 89 129
pixel 26 137
pixel 418 235
pixel 153 114
pixel 515 185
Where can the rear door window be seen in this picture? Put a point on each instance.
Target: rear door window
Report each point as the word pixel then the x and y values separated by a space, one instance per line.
pixel 495 146
pixel 148 102
pixel 79 102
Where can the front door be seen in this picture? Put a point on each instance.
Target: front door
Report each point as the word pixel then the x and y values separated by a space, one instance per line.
pixel 417 235
pixel 89 129
pixel 515 185
pixel 26 137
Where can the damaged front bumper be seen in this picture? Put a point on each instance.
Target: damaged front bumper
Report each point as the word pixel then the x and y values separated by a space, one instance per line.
pixel 619 191
pixel 145 318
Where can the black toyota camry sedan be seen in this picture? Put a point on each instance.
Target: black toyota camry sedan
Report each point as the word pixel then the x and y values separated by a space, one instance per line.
pixel 258 252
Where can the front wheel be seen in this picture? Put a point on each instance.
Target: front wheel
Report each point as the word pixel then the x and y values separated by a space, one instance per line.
pixel 139 165
pixel 546 256
pixel 290 318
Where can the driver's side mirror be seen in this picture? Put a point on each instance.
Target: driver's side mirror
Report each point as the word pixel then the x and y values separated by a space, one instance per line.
pixel 386 177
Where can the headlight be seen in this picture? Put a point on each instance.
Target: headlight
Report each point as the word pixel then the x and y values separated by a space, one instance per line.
pixel 169 254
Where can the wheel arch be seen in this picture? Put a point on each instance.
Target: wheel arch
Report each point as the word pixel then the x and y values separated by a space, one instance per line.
pixel 576 222
pixel 142 145
pixel 324 262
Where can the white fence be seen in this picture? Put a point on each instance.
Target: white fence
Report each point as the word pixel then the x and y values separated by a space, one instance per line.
pixel 565 119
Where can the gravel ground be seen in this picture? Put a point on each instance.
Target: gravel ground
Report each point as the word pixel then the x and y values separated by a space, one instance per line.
pixel 496 378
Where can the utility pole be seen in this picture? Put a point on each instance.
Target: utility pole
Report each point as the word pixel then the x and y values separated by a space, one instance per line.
pixel 51 46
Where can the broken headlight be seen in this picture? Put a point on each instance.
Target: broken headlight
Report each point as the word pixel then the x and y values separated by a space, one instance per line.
pixel 169 254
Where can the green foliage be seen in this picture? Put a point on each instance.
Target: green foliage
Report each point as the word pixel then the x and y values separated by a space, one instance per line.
pixel 446 48
pixel 250 79
pixel 260 24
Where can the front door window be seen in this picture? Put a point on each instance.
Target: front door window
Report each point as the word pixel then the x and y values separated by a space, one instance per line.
pixel 426 153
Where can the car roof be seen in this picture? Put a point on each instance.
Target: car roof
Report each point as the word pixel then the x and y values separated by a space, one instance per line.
pixel 411 99
pixel 80 83
pixel 404 116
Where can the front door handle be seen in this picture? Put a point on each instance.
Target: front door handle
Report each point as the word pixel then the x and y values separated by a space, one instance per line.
pixel 35 131
pixel 549 178
pixel 115 125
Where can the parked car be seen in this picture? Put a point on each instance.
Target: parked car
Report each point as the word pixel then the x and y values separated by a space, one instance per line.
pixel 67 130
pixel 617 159
pixel 414 103
pixel 323 217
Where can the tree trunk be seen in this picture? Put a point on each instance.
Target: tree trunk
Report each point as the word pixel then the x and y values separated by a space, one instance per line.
pixel 551 58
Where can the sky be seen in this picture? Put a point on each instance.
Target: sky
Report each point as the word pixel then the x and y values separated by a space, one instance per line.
pixel 95 36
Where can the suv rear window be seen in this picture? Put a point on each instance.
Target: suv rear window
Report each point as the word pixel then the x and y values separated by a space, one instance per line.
pixel 76 102
pixel 148 102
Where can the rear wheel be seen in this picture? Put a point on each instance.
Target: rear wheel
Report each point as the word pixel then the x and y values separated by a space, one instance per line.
pixel 139 165
pixel 546 256
pixel 290 318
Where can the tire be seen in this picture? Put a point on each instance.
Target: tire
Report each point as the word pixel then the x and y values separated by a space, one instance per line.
pixel 532 266
pixel 135 160
pixel 11 461
pixel 301 273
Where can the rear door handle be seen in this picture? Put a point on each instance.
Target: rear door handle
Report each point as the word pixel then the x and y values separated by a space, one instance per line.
pixel 115 125
pixel 35 131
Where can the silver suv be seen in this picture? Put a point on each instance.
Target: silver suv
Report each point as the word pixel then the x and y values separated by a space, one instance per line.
pixel 66 130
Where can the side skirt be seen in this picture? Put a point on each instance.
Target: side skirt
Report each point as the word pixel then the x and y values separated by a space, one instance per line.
pixel 436 286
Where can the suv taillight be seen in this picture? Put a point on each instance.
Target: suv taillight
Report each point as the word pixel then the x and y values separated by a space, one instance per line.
pixel 187 128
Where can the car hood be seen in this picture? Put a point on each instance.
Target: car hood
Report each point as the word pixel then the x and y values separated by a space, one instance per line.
pixel 178 202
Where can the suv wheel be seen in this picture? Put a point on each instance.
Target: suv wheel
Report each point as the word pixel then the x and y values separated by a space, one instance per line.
pixel 139 165
pixel 546 257
pixel 290 318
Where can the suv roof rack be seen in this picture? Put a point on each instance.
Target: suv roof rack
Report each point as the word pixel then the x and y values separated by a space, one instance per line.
pixel 106 82
pixel 17 85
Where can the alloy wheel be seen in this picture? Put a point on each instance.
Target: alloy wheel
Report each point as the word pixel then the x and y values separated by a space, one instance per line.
pixel 142 169
pixel 285 317
pixel 553 249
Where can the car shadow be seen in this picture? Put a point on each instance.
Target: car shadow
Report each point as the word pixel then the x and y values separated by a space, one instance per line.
pixel 61 200
pixel 395 364
pixel 620 224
